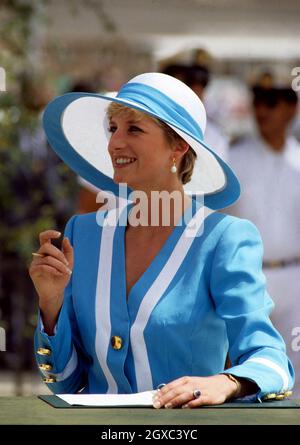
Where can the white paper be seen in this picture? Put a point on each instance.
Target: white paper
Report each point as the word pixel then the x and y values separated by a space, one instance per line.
pixel 138 399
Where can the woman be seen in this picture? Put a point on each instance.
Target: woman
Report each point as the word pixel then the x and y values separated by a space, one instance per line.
pixel 151 303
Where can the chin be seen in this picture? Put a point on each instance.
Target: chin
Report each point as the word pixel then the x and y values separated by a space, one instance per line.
pixel 125 179
pixel 118 179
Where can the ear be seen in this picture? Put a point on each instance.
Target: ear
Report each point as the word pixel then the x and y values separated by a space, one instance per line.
pixel 180 148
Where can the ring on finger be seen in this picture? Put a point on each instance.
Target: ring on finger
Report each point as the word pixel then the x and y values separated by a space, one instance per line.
pixel 196 393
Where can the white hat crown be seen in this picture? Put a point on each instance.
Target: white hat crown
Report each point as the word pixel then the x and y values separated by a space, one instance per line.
pixel 176 90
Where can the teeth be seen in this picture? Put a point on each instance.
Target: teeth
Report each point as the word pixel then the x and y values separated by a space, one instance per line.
pixel 124 160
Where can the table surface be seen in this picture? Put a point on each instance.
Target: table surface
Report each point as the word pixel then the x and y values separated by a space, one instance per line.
pixel 33 411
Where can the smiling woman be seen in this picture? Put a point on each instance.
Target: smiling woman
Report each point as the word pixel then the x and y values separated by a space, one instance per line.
pixel 149 304
pixel 142 151
pixel 187 161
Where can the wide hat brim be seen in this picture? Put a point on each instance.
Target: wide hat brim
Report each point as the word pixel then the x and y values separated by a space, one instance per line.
pixel 76 127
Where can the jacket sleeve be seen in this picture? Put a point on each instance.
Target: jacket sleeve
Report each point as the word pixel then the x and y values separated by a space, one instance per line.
pixel 238 288
pixel 60 357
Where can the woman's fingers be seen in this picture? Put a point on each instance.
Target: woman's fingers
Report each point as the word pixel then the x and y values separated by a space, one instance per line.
pixel 191 392
pixel 47 269
pixel 50 263
pixel 180 393
pixel 194 403
pixel 172 394
pixel 47 249
pixel 173 388
pixel 51 259
pixel 177 400
pixel 47 235
pixel 179 397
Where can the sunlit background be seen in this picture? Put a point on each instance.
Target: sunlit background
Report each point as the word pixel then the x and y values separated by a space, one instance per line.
pixel 47 48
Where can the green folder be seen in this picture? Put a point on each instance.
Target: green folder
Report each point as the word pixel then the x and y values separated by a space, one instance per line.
pixel 57 402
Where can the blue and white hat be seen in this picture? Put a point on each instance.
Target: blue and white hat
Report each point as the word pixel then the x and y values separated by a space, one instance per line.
pixel 76 126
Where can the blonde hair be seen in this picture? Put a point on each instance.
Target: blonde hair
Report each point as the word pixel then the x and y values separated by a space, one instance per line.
pixel 187 163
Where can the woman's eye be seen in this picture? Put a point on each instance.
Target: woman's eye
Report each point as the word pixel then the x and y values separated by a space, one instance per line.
pixel 113 128
pixel 134 128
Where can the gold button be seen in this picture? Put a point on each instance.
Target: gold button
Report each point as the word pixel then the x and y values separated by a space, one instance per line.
pixel 116 342
pixel 45 367
pixel 280 397
pixel 43 351
pixel 270 396
pixel 49 380
pixel 288 393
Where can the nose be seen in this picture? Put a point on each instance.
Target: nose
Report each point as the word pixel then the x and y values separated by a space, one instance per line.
pixel 262 114
pixel 117 140
pixel 262 110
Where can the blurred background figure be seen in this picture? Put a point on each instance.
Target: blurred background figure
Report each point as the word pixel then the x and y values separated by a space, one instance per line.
pixel 268 166
pixel 197 77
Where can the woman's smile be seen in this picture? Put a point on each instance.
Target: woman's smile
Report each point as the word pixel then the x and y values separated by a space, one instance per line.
pixel 123 161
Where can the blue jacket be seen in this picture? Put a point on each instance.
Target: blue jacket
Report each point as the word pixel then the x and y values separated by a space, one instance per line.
pixel 201 297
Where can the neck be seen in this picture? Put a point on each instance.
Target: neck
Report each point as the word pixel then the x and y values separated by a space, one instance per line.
pixel 159 208
pixel 275 140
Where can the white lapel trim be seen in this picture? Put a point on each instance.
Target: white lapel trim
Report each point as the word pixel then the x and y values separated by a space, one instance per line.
pixel 102 307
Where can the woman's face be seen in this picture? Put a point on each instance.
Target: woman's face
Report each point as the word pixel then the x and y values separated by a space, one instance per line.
pixel 140 152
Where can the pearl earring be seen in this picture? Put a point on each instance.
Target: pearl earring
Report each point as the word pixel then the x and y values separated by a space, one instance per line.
pixel 173 168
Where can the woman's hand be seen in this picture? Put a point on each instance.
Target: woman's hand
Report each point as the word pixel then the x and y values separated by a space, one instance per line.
pixel 215 390
pixel 50 272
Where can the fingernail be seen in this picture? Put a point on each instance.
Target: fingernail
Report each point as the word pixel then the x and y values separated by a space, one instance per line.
pixel 169 406
pixel 156 404
pixel 58 233
pixel 69 271
pixel 185 406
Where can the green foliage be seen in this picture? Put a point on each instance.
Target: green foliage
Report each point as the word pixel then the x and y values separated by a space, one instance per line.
pixel 36 190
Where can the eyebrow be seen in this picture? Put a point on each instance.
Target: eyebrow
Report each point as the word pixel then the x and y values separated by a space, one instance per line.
pixel 131 121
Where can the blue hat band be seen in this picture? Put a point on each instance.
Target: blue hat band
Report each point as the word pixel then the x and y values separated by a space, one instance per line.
pixel 160 105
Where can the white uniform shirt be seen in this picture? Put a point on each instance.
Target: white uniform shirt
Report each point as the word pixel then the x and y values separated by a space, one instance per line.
pixel 216 140
pixel 270 198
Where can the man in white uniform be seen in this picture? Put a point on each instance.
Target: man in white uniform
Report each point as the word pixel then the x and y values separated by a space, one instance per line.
pixel 268 166
pixel 197 77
